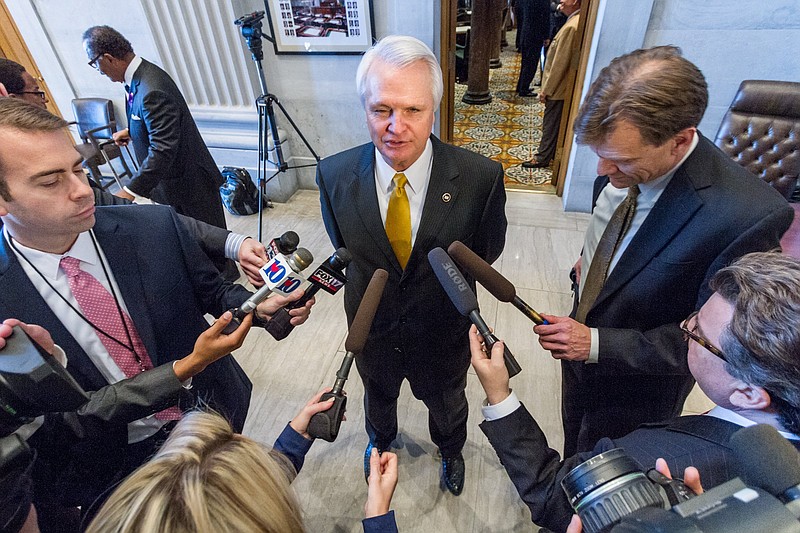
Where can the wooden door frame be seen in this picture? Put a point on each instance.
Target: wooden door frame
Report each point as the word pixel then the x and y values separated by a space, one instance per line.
pixel 14 48
pixel 447 60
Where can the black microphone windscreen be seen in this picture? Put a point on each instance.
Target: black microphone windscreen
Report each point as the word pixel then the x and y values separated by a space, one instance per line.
pixel 766 458
pixel 494 281
pixel 340 258
pixel 289 242
pixel 362 322
pixel 452 281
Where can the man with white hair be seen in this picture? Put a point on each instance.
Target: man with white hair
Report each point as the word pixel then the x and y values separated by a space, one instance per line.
pixel 389 202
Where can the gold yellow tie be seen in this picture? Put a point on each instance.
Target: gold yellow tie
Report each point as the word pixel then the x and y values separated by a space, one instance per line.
pixel 398 220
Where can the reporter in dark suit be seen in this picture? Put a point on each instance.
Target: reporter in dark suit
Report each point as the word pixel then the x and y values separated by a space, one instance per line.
pixel 623 355
pixel 452 194
pixel 175 166
pixel 143 258
pixel 743 348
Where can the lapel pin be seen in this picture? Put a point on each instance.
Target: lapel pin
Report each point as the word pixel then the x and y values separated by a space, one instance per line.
pixel 446 197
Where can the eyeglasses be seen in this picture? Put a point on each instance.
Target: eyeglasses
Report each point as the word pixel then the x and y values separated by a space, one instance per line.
pixel 40 93
pixel 93 62
pixel 705 343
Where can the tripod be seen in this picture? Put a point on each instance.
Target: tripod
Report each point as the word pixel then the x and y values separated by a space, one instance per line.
pixel 250 26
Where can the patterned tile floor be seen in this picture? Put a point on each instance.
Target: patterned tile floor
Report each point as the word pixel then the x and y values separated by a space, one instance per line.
pixel 507 129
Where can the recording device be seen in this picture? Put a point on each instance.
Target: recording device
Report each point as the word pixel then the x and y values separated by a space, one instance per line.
pixel 325 425
pixel 32 383
pixel 454 284
pixel 328 276
pixel 281 275
pixel 491 279
pixel 610 493
pixel 286 244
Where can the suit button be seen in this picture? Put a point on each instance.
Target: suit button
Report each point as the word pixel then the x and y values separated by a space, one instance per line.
pixel 398 350
pixel 403 288
pixel 403 320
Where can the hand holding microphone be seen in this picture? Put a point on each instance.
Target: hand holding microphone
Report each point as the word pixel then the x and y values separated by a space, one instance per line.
pixel 281 275
pixel 253 255
pixel 466 302
pixel 325 425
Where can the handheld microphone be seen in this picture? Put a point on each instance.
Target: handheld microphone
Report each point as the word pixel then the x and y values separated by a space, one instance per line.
pixel 281 275
pixel 491 279
pixel 325 425
pixel 769 462
pixel 466 302
pixel 328 276
pixel 286 244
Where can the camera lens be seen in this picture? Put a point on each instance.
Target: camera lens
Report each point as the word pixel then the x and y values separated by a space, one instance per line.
pixel 607 488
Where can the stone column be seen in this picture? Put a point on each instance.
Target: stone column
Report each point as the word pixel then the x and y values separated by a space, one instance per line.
pixel 483 33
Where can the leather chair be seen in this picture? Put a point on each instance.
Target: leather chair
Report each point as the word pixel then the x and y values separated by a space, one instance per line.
pixel 761 131
pixel 94 118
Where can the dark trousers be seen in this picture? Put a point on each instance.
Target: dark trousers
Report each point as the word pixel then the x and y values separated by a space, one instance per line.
pixel 595 406
pixel 447 413
pixel 527 70
pixel 550 126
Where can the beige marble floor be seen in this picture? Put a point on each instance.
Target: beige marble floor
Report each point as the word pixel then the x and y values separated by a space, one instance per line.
pixel 541 246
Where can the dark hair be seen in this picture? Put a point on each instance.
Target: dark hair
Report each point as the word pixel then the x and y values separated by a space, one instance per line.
pixel 654 89
pixel 20 115
pixel 762 341
pixel 107 40
pixel 11 75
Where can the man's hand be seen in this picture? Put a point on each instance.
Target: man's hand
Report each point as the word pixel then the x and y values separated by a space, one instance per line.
pixel 121 137
pixel 382 482
pixel 122 193
pixel 542 97
pixel 564 338
pixel 691 477
pixel 491 371
pixel 300 422
pixel 211 345
pixel 268 307
pixel 252 256
pixel 40 335
pixel 577 268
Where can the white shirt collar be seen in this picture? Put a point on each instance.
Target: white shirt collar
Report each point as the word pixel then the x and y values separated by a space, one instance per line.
pixel 417 174
pixel 739 420
pixel 49 264
pixel 131 70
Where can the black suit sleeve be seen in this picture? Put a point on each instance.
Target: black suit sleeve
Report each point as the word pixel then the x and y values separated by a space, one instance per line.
pixel 161 115
pixel 331 226
pixel 491 236
pixel 535 469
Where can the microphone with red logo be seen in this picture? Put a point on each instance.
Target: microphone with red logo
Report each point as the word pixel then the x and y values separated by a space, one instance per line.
pixel 328 276
pixel 281 275
pixel 491 279
pixel 466 302
pixel 325 425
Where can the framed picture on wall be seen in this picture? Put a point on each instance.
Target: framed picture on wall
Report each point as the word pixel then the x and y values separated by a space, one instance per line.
pixel 320 26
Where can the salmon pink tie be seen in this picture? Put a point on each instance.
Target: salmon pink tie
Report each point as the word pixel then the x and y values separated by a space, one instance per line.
pixel 100 308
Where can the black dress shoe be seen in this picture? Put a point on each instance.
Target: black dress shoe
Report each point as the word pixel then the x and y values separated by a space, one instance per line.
pixel 453 473
pixel 535 163
pixel 528 94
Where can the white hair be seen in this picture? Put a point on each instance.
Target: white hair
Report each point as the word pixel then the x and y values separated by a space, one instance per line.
pixel 400 51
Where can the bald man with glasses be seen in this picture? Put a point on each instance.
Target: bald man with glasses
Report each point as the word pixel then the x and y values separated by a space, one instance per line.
pixel 744 352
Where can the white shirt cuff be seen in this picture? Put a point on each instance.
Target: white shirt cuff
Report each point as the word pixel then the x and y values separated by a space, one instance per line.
pixel 502 409
pixel 232 244
pixel 185 384
pixel 594 348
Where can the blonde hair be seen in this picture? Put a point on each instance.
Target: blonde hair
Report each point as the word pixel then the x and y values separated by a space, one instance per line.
pixel 205 479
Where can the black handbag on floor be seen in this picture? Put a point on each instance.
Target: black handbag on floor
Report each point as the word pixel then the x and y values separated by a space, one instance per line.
pixel 239 193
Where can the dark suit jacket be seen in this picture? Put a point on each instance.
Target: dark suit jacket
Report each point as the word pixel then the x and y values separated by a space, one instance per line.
pixel 537 470
pixel 168 285
pixel 711 212
pixel 176 167
pixel 465 201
